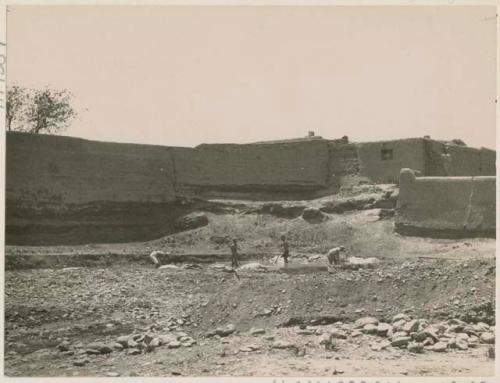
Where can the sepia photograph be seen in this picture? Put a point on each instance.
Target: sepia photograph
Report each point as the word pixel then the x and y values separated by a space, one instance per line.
pixel 250 191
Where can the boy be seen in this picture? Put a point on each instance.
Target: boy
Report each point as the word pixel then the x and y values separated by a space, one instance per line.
pixel 286 253
pixel 234 254
pixel 334 255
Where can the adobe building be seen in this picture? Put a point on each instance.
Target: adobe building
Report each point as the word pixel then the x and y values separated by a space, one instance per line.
pixel 62 187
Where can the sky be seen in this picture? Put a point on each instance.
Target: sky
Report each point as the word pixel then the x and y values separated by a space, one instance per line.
pixel 185 75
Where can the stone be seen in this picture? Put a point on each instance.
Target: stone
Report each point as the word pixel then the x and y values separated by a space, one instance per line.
pixel 428 342
pixel 225 330
pixel 138 337
pixel 63 346
pixel 439 347
pixel 338 334
pixel 133 351
pixel 91 351
pixel 167 338
pixel 80 362
pixel 325 339
pixel 132 343
pixel 470 330
pixel 399 334
pixel 155 342
pixel 356 333
pixel 416 348
pixel 117 346
pixel 123 340
pixel 280 344
pixel 461 344
pixel 148 338
pixel 401 341
pixel 398 325
pixel 487 338
pixel 384 329
pixel 362 322
pixel 380 345
pixel 249 348
pixel 369 329
pixel 481 327
pixel 106 349
pixel 411 326
pixel 455 321
pixel 257 331
pixel 112 374
pixel 428 332
pixel 399 317
pixel 174 344
pixel 306 332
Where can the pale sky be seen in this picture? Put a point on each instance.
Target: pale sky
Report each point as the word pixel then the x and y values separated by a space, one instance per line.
pixel 189 75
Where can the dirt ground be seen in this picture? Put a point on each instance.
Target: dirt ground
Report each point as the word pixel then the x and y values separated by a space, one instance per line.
pixel 66 298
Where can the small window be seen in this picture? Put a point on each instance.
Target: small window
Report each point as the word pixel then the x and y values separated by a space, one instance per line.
pixel 386 154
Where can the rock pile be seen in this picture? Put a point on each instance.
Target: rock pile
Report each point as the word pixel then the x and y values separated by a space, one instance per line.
pixel 415 335
pixel 133 344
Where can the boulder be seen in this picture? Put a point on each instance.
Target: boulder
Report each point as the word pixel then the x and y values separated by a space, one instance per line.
pixel 362 322
pixel 428 332
pixel 132 343
pixel 411 326
pixel 174 344
pixel 401 341
pixel 80 362
pixel 117 346
pixel 155 342
pixel 225 330
pixel 63 346
pixel 133 351
pixel 337 334
pixel 101 347
pixel 470 330
pixel 399 334
pixel 398 325
pixel 439 347
pixel 481 327
pixel 369 329
pixel 399 317
pixel 167 338
pixel 487 338
pixel 384 329
pixel 415 347
pixel 123 340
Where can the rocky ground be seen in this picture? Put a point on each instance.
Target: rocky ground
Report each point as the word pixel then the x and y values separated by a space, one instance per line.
pixel 423 307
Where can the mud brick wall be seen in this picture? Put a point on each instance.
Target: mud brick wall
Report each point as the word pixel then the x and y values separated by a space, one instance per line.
pixel 296 168
pixel 407 153
pixel 446 206
pixel 63 189
pixel 56 171
pixel 488 162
